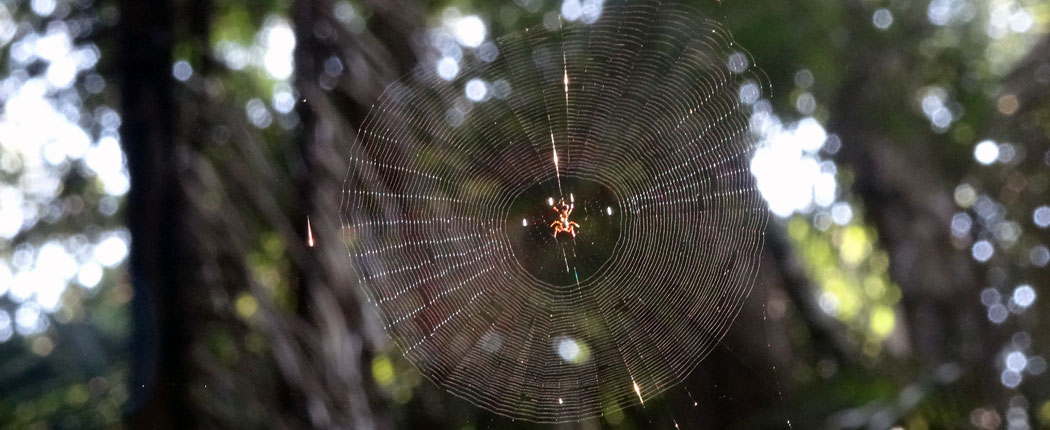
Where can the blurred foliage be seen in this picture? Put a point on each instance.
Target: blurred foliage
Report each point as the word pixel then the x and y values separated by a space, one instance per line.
pixel 851 272
pixel 67 367
pixel 954 55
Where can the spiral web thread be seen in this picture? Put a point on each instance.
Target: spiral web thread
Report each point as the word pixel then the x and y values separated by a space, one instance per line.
pixel 645 101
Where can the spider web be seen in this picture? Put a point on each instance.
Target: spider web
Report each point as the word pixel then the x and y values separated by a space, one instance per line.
pixel 637 120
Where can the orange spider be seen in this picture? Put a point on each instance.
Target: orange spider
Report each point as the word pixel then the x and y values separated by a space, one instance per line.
pixel 562 223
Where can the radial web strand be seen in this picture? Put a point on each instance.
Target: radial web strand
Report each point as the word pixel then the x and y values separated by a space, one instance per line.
pixel 629 130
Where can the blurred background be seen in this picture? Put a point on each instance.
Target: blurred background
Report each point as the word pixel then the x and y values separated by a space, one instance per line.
pixel 160 159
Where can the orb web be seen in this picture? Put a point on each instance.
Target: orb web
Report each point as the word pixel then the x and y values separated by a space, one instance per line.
pixel 636 120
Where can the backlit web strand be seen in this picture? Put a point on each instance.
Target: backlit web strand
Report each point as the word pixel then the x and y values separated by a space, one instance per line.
pixel 447 223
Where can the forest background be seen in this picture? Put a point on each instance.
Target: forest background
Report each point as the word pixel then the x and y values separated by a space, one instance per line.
pixel 159 160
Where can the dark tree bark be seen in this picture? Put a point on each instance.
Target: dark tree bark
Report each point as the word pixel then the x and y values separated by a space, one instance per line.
pixel 154 216
pixel 198 204
pixel 1023 187
pixel 907 195
pixel 326 358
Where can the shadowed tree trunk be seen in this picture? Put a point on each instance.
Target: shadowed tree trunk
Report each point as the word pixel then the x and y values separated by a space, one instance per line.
pixel 153 214
pixel 1029 82
pixel 906 194
pixel 339 74
pixel 219 203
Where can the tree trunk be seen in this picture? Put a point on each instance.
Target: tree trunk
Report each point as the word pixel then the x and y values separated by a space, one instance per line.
pixel 907 196
pixel 337 348
pixel 153 210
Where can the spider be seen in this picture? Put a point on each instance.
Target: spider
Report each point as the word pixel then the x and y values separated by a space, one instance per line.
pixel 562 223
